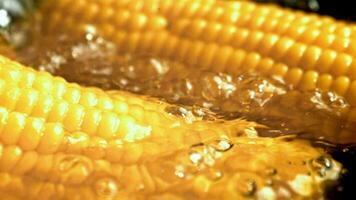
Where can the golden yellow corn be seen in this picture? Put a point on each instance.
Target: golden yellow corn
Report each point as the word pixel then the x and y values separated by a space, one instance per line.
pixel 60 140
pixel 46 114
pixel 307 51
pixel 250 167
pixel 47 123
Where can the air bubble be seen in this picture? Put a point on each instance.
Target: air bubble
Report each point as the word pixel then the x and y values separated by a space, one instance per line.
pixel 182 112
pixel 321 165
pixel 191 113
pixel 91 32
pixel 180 171
pixel 248 188
pixel 345 150
pixel 221 145
pixel 202 155
pixel 5 18
pixel 196 158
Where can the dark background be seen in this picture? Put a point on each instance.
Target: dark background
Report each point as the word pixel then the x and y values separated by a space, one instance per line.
pixel 341 9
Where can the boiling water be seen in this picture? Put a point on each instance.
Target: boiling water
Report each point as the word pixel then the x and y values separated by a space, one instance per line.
pixel 316 115
pixel 93 61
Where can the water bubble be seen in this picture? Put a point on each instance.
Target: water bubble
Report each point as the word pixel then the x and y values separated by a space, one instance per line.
pixel 321 165
pixel 5 18
pixel 182 112
pixel 54 63
pixel 202 155
pixel 244 184
pixel 345 149
pixel 160 67
pixel 195 157
pixel 284 193
pixel 221 145
pixel 248 188
pixel 91 32
pixel 106 187
pixel 266 193
pixel 199 111
pixel 225 84
pixel 180 171
pixel 192 113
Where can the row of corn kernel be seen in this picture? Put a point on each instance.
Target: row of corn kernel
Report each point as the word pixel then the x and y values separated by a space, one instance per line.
pixel 34 134
pixel 41 87
pixel 16 187
pixel 74 170
pixel 256 39
pixel 224 58
pixel 265 18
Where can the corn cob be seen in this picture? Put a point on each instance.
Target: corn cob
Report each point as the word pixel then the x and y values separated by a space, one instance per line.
pixel 49 122
pixel 306 50
pixel 80 177
pixel 221 40
pixel 44 152
pixel 59 114
pixel 34 125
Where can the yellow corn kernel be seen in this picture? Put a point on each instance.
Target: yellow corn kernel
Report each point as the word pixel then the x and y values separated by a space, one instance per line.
pixel 74 118
pixel 46 115
pixel 12 131
pixel 341 85
pixel 26 163
pixel 43 106
pixel 9 98
pixel 309 80
pixel 43 166
pixel 296 40
pixel 294 76
pixel 324 82
pixel 194 51
pixel 72 95
pixel 325 61
pixel 310 57
pixel 265 65
pixel 96 148
pixel 114 151
pixel 58 111
pixel 43 82
pixel 351 94
pixel 108 126
pixel 77 142
pixel 51 140
pixel 27 101
pixel 4 115
pixel 10 155
pixel 341 64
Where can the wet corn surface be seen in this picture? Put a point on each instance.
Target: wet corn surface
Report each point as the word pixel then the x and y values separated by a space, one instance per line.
pixel 270 155
pixel 93 61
